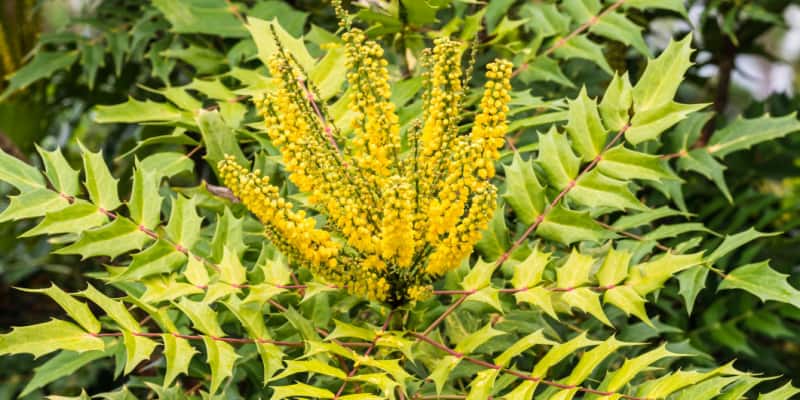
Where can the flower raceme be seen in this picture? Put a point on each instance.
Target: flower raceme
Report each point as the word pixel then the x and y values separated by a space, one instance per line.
pixel 398 213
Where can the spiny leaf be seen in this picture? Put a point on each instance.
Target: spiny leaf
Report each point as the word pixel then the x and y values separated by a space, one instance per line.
pixel 661 78
pixel 135 111
pixel 47 337
pixel 560 352
pixel 218 138
pixel 203 318
pixel 585 128
pixel 114 308
pixel 615 380
pixel 178 353
pixel 626 164
pixel 61 175
pixel 616 103
pixel 102 186
pixel 145 203
pixel 521 346
pixel 700 161
pixel 575 271
pixel 596 191
pixel 34 203
pixel 221 357
pixel 733 242
pixel 76 310
pixel 43 64
pixel 523 192
pixel 556 158
pixel 650 276
pixel 260 30
pixel 300 389
pixel 119 237
pixel 744 133
pixel 137 349
pixel 73 218
pixel 528 273
pixel 785 392
pixel 567 226
pixel 18 174
pixel 581 47
pixel 648 124
pixel 63 364
pixel 762 281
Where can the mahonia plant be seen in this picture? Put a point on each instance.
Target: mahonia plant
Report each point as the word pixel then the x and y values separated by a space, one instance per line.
pixel 398 216
pixel 385 219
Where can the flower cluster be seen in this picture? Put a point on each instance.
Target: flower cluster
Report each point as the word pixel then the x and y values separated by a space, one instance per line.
pixel 398 213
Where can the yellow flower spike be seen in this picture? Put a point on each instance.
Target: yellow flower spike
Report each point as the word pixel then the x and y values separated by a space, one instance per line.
pixel 396 219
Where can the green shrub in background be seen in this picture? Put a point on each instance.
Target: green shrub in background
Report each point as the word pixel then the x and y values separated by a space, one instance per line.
pixel 566 296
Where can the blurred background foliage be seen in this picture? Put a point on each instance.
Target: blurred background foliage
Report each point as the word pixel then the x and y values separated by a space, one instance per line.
pixel 72 55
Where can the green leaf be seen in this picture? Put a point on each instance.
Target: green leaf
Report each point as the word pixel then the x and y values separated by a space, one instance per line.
pixel 575 271
pixel 626 164
pixel 744 133
pixel 218 138
pixel 211 17
pixel 204 319
pixel 61 175
pixel 102 186
pixel 260 30
pixel 47 337
pixel 118 237
pixel 614 268
pixel 137 349
pixel 44 64
pixel 135 111
pixel 560 352
pixel 494 241
pixel 546 19
pixel 76 310
pixel 184 224
pixel 343 329
pixel 629 301
pixel 616 26
pixel 617 101
pixel 482 385
pixel 591 359
pixel 567 226
pixel 290 18
pixel 73 218
pixel 707 389
pixel 648 124
pixel 178 354
pixel 167 164
pixel 544 69
pixel 586 300
pixel 650 276
pixel 762 281
pixel 672 5
pixel 585 128
pixel 733 242
pixel 556 159
pixel 528 273
pixel 521 346
pixel 221 357
pixel 540 297
pixel 700 161
pixel 690 283
pixel 523 191
pixel 63 364
pixel 614 381
pixel 479 276
pixel 475 339
pixel 581 47
pixel 34 203
pixel 145 202
pixel 330 73
pixel 311 367
pixel 662 76
pixel 114 308
pixel 644 217
pixel 300 389
pixel 18 174
pixel 785 392
pixel 596 190
pixel 166 288
pixel 160 258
